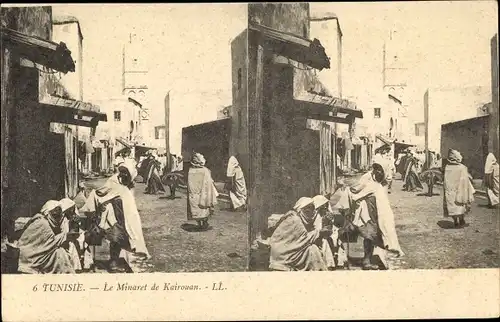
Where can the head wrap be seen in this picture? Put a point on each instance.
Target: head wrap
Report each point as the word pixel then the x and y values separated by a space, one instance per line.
pixel 321 200
pixel 454 156
pixel 231 166
pixel 198 160
pixel 302 202
pixel 49 206
pixel 67 204
pixel 490 161
pixel 46 210
pixel 129 165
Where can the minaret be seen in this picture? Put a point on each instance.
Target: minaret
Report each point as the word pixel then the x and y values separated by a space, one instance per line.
pixel 135 79
pixel 394 70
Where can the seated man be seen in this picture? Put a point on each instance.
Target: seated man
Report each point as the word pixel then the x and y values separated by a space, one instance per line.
pixel 294 240
pixel 41 244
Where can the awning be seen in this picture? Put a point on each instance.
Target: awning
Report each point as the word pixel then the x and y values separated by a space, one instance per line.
pixel 327 109
pixel 124 143
pixel 384 139
pixel 38 50
pixel 401 145
pixel 68 111
pixel 302 50
pixel 141 149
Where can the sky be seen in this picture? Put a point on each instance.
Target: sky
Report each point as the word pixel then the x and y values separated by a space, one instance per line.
pixel 188 49
pixel 443 43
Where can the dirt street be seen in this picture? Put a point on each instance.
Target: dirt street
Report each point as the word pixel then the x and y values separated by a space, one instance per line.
pixel 427 238
pixel 430 241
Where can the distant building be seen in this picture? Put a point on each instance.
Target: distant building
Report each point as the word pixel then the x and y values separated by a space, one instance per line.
pixel 135 82
pixel 124 126
pixel 394 69
pixel 446 105
pixel 395 83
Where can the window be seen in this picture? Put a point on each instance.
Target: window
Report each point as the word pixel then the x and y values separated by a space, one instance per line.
pixel 239 78
pixel 376 112
pixel 419 129
pixel 118 116
pixel 159 133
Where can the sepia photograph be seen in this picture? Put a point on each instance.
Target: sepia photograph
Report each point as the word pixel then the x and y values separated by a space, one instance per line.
pixel 253 138
pixel 115 139
pixel 372 136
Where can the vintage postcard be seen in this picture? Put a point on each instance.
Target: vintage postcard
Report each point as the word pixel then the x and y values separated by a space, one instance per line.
pixel 242 161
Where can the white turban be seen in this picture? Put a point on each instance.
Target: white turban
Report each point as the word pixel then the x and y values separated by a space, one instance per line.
pixel 302 202
pixel 67 203
pixel 198 160
pixel 321 200
pixel 49 206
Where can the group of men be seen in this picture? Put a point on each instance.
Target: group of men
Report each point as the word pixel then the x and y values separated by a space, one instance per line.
pixel 301 239
pixel 308 238
pixel 54 240
pixel 50 242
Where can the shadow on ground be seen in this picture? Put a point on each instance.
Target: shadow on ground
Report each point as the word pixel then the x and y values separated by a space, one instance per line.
pixel 193 228
pixel 170 198
pixel 426 194
pixel 445 224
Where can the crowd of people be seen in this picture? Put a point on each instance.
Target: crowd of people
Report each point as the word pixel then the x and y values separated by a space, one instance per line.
pixel 415 169
pixel 305 239
pixel 59 238
pixel 308 237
